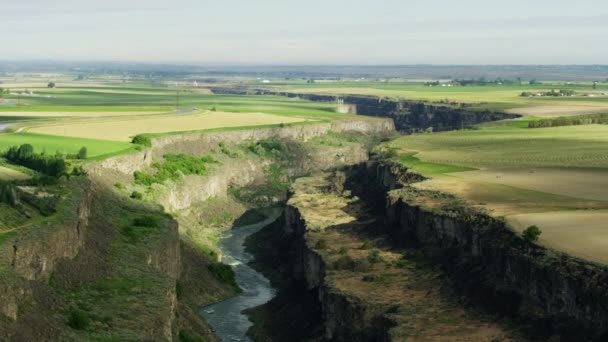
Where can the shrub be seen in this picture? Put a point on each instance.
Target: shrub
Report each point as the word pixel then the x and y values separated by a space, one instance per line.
pixel 343 251
pixel 370 278
pixel 8 193
pixel 136 195
pixel 374 256
pixel 146 221
pixel 362 265
pixel 82 153
pixel 119 186
pixel 173 167
pixel 345 262
pixel 78 171
pixel 227 151
pixel 223 273
pixel 321 244
pixel 78 319
pixel 532 233
pixel 367 245
pixel 142 139
pixel 189 336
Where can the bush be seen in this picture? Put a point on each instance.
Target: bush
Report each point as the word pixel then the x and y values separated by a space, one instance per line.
pixel 370 278
pixel 321 244
pixel 119 186
pixel 78 171
pixel 146 221
pixel 345 262
pixel 374 256
pixel 367 245
pixel 226 150
pixel 532 233
pixel 78 319
pixel 142 139
pixel 362 265
pixel 136 195
pixel 343 251
pixel 82 153
pixel 223 273
pixel 173 167
pixel 8 193
pixel 189 336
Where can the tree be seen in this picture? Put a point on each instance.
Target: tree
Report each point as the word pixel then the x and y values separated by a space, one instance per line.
pixel 25 151
pixel 532 233
pixel 82 153
pixel 51 85
pixel 594 85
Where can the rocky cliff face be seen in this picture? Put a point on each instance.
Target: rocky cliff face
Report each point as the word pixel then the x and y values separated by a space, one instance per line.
pixel 561 294
pixel 35 254
pixel 408 115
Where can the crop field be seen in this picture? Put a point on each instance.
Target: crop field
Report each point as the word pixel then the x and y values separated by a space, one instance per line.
pixel 117 129
pixel 527 175
pixel 104 114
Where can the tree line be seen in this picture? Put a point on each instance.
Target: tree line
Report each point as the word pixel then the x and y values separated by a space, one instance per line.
pixel 570 121
pixel 51 165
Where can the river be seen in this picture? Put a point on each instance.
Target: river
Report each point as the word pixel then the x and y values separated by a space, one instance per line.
pixel 226 318
pixel 5 125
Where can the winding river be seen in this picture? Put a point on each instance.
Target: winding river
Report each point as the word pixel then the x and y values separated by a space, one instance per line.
pixel 5 125
pixel 226 318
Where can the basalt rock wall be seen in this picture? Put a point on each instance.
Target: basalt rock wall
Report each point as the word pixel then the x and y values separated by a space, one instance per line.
pixel 408 115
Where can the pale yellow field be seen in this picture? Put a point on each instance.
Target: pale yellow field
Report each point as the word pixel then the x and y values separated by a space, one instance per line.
pixel 72 114
pixel 582 233
pixel 124 129
pixel 556 111
pixel 503 200
pixel 589 184
pixel 7 174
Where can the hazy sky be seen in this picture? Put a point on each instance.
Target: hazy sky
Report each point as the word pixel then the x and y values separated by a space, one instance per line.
pixel 307 31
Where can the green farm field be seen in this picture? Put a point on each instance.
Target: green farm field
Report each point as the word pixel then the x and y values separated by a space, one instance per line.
pixel 527 175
